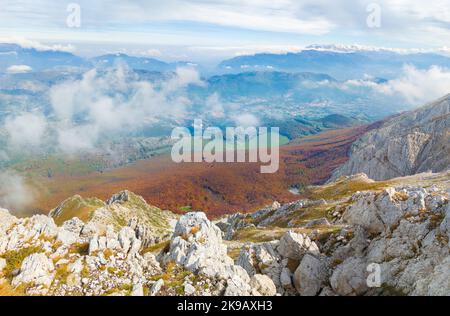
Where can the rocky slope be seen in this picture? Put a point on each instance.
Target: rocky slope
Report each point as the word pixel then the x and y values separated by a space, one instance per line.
pixel 395 233
pixel 329 244
pixel 410 143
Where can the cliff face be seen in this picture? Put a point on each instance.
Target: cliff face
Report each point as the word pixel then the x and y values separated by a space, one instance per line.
pixel 414 142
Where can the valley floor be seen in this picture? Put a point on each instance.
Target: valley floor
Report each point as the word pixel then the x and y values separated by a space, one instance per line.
pixel 214 188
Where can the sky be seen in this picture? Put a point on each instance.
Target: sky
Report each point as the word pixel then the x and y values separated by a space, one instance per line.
pixel 199 30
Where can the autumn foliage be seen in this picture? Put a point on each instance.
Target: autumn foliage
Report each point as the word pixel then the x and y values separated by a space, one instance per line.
pixel 216 188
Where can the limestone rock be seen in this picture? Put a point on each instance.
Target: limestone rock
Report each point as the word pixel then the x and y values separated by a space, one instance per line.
pixel 189 289
pixel 36 269
pixel 197 245
pixel 74 225
pixel 311 275
pixel 349 278
pixel 2 265
pixel 66 237
pixel 246 261
pixel 410 143
pixel 137 290
pixel 263 284
pixel 6 220
pixel 156 287
pixel 445 224
pixel 376 212
pixel 294 246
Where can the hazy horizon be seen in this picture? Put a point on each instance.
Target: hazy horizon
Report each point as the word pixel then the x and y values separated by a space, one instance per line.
pixel 203 31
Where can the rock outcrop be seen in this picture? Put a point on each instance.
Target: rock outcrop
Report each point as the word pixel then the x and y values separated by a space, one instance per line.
pixel 197 246
pixel 378 241
pixel 413 142
pixel 122 209
pixel 382 241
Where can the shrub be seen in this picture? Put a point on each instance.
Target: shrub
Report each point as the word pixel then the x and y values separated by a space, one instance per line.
pixel 80 248
pixel 62 273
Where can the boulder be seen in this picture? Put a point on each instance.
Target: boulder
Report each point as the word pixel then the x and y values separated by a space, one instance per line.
pixel 245 259
pixel 66 237
pixel 294 246
pixel 156 287
pixel 137 290
pixel 36 269
pixel 74 225
pixel 311 275
pixel 238 286
pixel 286 280
pixel 197 246
pixel 120 197
pixel 261 258
pixel 189 289
pixel 263 285
pixel 377 212
pixel 349 278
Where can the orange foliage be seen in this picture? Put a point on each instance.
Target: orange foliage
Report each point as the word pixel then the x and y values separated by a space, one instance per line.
pixel 216 188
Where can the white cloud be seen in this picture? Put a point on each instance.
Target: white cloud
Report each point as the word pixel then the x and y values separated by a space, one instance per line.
pixel 18 69
pixel 115 102
pixel 415 86
pixel 26 129
pixel 246 49
pixel 152 52
pixel 419 86
pixel 77 138
pixel 254 15
pixel 184 76
pixel 15 194
pixel 215 106
pixel 27 43
pixel 246 120
pixel 406 23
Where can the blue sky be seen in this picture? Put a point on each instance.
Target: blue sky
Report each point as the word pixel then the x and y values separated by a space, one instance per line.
pixel 214 29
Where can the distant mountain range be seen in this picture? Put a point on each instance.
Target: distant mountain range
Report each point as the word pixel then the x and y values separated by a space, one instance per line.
pixel 339 62
pixel 341 65
pixel 263 84
pixel 37 60
pixel 140 63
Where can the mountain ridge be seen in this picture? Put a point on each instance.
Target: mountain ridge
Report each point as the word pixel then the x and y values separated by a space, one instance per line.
pixel 409 143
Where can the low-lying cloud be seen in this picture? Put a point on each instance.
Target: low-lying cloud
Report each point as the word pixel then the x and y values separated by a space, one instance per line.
pixel 102 103
pixel 15 194
pixel 414 86
pixel 26 129
pixel 419 86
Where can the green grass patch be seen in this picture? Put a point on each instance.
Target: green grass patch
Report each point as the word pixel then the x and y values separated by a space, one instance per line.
pixel 15 258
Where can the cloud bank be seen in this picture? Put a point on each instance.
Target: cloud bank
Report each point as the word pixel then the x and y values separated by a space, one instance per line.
pixel 414 86
pixel 15 194
pixel 103 104
pixel 419 86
